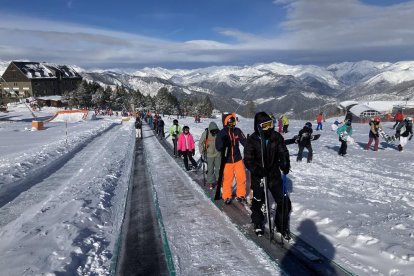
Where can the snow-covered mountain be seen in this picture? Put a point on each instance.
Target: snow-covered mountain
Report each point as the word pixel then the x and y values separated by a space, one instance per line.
pixel 277 87
pixel 298 89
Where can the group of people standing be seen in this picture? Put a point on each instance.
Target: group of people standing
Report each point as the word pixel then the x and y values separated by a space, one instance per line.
pixel 265 156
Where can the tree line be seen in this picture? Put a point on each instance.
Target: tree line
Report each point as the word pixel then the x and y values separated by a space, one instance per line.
pixel 93 95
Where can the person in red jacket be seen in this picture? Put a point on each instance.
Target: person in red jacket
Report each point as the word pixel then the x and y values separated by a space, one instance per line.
pixel 227 142
pixel 319 119
pixel 186 147
pixel 398 117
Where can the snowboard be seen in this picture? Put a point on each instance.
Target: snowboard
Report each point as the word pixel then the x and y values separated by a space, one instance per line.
pixel 389 139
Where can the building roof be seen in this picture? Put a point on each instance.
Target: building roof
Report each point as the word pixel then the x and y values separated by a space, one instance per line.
pixel 40 70
pixel 359 108
pixel 345 104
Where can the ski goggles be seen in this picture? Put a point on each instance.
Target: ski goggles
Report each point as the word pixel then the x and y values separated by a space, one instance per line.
pixel 267 125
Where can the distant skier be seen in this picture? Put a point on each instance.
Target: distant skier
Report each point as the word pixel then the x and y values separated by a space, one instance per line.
pixel 335 125
pixel 373 135
pixel 344 133
pixel 403 131
pixel 160 128
pixel 280 124
pixel 275 158
pixel 398 117
pixel 227 142
pixel 175 130
pixel 319 119
pixel 285 123
pixel 207 146
pixel 138 128
pixel 186 147
pixel 304 141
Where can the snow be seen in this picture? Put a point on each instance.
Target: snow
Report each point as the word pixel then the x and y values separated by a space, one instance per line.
pixel 62 201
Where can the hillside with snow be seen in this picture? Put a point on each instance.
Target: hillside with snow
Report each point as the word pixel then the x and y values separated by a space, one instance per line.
pixel 63 193
pixel 280 88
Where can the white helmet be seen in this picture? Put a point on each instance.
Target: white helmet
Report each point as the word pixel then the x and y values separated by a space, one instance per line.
pixel 409 118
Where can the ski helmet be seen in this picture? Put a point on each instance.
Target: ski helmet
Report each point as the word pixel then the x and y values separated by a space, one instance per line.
pixel 348 122
pixel 377 119
pixel 186 128
pixel 308 125
pixel 175 122
pixel 409 118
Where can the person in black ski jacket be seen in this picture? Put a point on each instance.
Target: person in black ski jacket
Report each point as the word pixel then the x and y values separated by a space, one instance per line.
pixel 304 141
pixel 404 132
pixel 160 128
pixel 138 128
pixel 276 159
pixel 227 142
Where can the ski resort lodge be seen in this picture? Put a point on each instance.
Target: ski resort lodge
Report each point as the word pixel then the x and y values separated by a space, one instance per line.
pixel 364 110
pixel 36 79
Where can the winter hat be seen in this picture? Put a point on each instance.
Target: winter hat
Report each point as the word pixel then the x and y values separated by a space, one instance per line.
pixel 175 122
pixel 186 128
pixel 259 118
pixel 308 125
pixel 212 126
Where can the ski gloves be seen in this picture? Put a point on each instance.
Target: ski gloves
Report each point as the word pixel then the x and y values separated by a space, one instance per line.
pixel 285 168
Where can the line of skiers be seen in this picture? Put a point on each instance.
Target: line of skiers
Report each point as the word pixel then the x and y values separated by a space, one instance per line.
pixel 264 151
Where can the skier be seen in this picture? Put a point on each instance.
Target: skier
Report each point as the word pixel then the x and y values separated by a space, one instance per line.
pixel 275 158
pixel 227 142
pixel 160 128
pixel 186 147
pixel 374 133
pixel 175 130
pixel 304 141
pixel 138 128
pixel 319 119
pixel 285 122
pixel 335 125
pixel 403 130
pixel 398 117
pixel 280 124
pixel 344 133
pixel 207 146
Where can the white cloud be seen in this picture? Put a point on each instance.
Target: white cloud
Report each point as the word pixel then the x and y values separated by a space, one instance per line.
pixel 315 31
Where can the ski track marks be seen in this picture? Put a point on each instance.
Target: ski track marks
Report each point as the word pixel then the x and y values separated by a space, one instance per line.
pixel 57 213
pixel 383 188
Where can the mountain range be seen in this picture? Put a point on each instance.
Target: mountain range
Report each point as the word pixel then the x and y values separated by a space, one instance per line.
pixel 299 90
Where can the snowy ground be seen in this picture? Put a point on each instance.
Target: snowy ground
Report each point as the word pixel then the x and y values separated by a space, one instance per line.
pixel 62 199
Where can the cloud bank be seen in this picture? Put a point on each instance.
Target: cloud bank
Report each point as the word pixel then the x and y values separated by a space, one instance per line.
pixel 318 32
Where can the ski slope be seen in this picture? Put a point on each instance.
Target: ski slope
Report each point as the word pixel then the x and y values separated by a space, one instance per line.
pixel 68 195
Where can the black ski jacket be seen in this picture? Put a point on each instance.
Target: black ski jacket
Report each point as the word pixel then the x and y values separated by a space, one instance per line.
pixel 276 157
pixel 228 140
pixel 304 136
pixel 408 128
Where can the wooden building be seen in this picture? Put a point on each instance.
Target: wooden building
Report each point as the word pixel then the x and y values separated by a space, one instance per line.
pixel 36 79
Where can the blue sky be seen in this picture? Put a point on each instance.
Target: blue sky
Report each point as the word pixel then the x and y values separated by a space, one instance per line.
pixel 192 33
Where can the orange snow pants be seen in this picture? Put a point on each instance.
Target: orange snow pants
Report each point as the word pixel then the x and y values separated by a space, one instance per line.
pixel 231 170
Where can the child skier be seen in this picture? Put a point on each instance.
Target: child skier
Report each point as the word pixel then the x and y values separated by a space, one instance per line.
pixel 344 133
pixel 374 133
pixel 186 147
pixel 403 130
pixel 304 141
pixel 175 130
